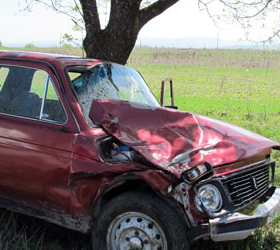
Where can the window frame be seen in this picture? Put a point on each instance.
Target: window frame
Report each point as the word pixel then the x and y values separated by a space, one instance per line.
pixel 41 119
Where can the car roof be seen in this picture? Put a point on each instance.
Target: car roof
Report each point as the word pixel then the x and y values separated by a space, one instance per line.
pixel 63 60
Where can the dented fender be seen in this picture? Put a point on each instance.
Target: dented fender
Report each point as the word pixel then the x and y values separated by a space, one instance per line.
pixel 88 187
pixel 155 179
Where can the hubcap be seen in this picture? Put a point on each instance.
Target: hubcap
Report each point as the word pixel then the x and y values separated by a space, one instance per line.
pixel 135 231
pixel 135 243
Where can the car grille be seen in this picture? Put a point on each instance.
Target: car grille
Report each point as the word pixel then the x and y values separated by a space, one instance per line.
pixel 247 186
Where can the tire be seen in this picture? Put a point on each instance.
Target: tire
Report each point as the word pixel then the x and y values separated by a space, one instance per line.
pixel 139 221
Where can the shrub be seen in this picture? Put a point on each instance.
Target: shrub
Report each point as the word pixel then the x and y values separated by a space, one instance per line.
pixel 30 46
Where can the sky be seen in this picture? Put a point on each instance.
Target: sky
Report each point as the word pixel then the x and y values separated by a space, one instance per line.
pixel 181 20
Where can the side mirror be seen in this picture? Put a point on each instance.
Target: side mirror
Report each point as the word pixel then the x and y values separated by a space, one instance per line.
pixel 171 93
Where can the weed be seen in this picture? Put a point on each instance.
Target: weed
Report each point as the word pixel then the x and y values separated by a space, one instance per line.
pixel 18 232
pixel 15 235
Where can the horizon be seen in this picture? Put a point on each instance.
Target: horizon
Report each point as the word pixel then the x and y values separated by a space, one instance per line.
pixel 165 42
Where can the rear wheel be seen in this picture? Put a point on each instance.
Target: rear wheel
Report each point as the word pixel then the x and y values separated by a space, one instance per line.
pixel 139 221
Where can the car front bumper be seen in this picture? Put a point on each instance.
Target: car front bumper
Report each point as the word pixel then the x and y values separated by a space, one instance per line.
pixel 238 226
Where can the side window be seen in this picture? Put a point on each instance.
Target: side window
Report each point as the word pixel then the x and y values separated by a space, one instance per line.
pixel 38 83
pixel 29 93
pixel 52 109
pixel 3 75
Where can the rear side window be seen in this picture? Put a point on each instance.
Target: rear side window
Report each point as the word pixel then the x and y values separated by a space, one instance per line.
pixel 30 93
pixel 3 75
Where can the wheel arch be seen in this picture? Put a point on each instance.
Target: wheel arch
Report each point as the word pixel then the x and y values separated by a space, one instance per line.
pixel 133 182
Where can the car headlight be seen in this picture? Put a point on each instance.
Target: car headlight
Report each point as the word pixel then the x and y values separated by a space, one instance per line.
pixel 210 197
pixel 194 173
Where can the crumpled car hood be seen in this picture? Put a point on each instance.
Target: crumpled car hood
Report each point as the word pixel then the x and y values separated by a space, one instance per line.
pixel 175 140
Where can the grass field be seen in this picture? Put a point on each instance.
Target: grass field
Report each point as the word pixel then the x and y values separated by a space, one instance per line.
pixel 238 86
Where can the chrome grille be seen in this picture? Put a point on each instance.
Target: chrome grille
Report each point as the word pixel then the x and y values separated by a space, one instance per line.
pixel 248 185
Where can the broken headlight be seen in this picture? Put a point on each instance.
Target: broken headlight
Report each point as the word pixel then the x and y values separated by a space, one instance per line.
pixel 208 197
pixel 196 172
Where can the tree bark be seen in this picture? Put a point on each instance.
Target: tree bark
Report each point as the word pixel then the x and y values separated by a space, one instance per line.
pixel 117 40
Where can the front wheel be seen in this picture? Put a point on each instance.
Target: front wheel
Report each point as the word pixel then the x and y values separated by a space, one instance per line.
pixel 139 221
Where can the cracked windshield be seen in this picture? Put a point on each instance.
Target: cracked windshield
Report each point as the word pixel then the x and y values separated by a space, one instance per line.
pixel 108 81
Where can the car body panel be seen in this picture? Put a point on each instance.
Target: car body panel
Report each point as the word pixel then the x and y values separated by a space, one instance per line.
pixel 37 180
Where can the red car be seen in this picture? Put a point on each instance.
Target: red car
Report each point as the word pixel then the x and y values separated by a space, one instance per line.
pixel 86 145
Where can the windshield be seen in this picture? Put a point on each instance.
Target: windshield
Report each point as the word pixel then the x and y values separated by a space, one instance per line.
pixel 110 81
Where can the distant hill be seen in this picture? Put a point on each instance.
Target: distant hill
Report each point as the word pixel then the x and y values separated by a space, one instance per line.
pixel 188 42
pixel 21 44
pixel 202 42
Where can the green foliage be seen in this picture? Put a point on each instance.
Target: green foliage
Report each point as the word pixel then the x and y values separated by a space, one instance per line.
pixel 257 240
pixel 77 8
pixel 30 46
pixel 69 41
pixel 1 44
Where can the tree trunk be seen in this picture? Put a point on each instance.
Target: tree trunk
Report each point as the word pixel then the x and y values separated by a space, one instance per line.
pixel 110 47
pixel 117 40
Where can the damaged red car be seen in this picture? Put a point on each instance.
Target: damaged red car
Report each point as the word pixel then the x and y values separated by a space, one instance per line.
pixel 85 144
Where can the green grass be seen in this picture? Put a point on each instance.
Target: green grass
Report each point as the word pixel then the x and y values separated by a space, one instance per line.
pixel 238 86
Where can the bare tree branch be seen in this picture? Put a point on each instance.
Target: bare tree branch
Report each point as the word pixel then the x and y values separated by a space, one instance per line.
pixel 246 13
pixel 277 34
pixel 78 8
pixel 54 5
pixel 241 5
pixel 206 8
pixel 154 10
pixel 76 23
